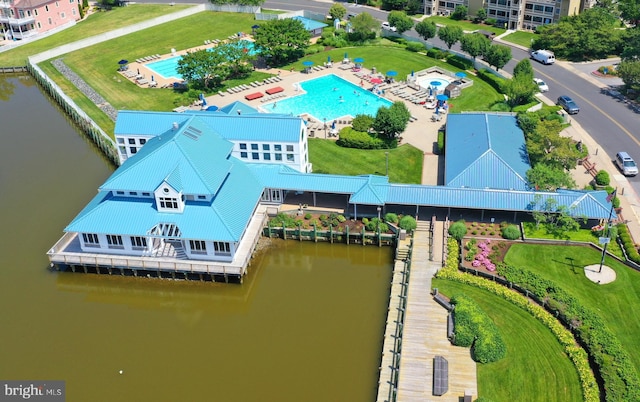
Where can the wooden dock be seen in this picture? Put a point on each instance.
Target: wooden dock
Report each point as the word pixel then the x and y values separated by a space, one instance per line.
pixel 425 333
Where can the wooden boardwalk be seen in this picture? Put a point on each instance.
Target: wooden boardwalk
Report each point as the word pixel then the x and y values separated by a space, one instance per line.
pixel 425 333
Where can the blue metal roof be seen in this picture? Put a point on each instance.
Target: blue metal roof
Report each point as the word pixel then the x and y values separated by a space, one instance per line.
pixel 485 151
pixel 237 106
pixel 233 127
pixel 309 24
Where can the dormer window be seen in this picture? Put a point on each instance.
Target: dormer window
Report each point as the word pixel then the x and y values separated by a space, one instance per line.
pixel 168 202
pixel 168 199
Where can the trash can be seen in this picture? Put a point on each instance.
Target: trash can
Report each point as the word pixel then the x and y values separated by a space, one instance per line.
pixel 373 70
pixel 403 234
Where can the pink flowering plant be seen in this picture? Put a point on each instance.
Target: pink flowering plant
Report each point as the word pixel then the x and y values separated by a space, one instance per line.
pixel 483 257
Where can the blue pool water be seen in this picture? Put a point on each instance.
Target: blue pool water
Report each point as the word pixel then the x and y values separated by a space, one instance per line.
pixel 329 97
pixel 167 67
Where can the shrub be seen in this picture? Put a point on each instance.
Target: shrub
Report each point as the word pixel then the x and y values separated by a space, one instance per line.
pixel 307 216
pixel 602 178
pixel 458 230
pixel 341 218
pixel 500 107
pixel 490 21
pixel 436 53
pixel 350 138
pixel 461 62
pixel 491 79
pixel 416 47
pixel 362 123
pixel 511 232
pixel 627 243
pixel 408 223
pixel 391 217
pixel 441 142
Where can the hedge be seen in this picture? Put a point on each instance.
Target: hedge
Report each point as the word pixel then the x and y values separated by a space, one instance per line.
pixel 491 79
pixel 577 355
pixel 349 138
pixel 416 47
pixel 475 328
pixel 460 62
pixel 408 223
pixel 436 53
pixel 614 363
pixel 440 142
pixel 627 243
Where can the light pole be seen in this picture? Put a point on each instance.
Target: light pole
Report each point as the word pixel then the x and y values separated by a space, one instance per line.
pixel 325 128
pixel 611 198
pixel 379 209
pixel 386 156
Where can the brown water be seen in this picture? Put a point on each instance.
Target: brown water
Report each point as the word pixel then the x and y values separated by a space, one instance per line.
pixel 306 325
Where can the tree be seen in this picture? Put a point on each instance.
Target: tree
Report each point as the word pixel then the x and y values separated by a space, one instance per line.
pixel 520 90
pixel 459 13
pixel 362 123
pixel 400 20
pixel 364 27
pixel 547 178
pixel 546 145
pixel 392 120
pixel 281 41
pixel 239 2
pixel 475 44
pixel 450 34
pixel 337 11
pixel 629 71
pixel 631 45
pixel 239 59
pixel 426 29
pixel 498 56
pixel 389 5
pixel 556 219
pixel 523 68
pixel 203 68
pixel 630 11
pixel 481 15
pixel 414 7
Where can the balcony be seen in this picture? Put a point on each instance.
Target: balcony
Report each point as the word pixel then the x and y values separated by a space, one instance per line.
pixel 17 21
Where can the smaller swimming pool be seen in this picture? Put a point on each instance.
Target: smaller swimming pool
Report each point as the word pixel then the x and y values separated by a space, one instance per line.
pixel 167 68
pixel 443 80
pixel 328 98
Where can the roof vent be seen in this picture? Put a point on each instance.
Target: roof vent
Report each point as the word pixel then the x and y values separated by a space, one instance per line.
pixel 175 125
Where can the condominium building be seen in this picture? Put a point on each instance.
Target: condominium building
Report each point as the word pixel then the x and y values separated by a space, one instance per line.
pixel 21 19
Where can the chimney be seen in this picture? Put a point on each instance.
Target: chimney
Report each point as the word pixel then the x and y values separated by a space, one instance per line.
pixel 175 125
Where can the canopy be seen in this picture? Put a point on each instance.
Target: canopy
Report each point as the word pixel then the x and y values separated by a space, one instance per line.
pixel 358 60
pixel 307 63
pixel 442 97
pixel 123 62
pixel 391 73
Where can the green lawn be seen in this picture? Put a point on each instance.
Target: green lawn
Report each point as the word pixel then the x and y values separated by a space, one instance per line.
pixel 405 162
pixel 535 368
pixel 95 24
pixel 585 235
pixel 520 38
pixel 615 302
pixel 466 25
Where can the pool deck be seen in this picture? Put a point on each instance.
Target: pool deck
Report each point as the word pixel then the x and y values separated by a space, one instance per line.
pixel 421 133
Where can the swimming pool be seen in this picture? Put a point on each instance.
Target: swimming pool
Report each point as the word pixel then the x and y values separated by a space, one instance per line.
pixel 167 68
pixel 329 97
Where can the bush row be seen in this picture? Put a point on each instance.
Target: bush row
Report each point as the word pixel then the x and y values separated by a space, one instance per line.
pixel 577 355
pixel 491 79
pixel 460 62
pixel 614 363
pixel 475 328
pixel 349 138
pixel 627 243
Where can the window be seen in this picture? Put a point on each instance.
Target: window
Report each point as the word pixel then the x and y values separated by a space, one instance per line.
pixel 21 13
pixel 114 241
pixel 168 203
pixel 221 247
pixel 548 10
pixel 133 193
pixel 90 240
pixel 146 194
pixel 202 197
pixel 120 192
pixel 537 19
pixel 528 6
pixel 265 147
pixel 57 4
pixel 46 8
pixel 132 141
pixel 198 246
pixel 35 11
pixel 73 11
pixel 243 155
pixel 255 156
pixel 120 140
pixel 39 25
pixel 266 156
pixel 62 15
pixel 142 141
pixel 277 148
pixel 133 150
pixel 290 158
pixel 50 22
pixel 278 157
pixel 138 242
pixel 254 147
pixel 243 146
pixel 538 7
pixel 501 13
pixel 289 148
pixel 492 12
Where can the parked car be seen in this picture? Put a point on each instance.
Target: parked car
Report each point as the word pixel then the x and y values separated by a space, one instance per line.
pixel 626 164
pixel 568 104
pixel 542 86
pixel 543 56
pixel 388 27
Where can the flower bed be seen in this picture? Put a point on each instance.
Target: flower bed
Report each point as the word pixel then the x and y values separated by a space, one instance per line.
pixel 484 254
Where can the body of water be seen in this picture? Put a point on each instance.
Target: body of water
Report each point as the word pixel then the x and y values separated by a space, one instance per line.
pixel 306 325
pixel 328 98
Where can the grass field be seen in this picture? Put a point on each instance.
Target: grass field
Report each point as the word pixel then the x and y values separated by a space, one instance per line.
pixel 465 25
pixel 520 38
pixel 535 367
pixel 405 162
pixel 615 302
pixel 585 235
pixel 94 24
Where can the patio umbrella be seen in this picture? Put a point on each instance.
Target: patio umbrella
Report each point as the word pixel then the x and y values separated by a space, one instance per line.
pixel 358 60
pixel 333 125
pixel 435 83
pixel 346 56
pixel 442 97
pixel 328 59
pixel 412 73
pixel 391 73
pixel 152 79
pixel 307 63
pixel 376 81
pixel 460 74
pixel 212 108
pixel 123 62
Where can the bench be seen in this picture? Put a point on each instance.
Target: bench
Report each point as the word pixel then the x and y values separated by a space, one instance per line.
pixel 450 326
pixel 440 376
pixel 443 302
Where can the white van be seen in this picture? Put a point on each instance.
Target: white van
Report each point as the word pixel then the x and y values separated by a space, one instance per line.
pixel 543 56
pixel 626 164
